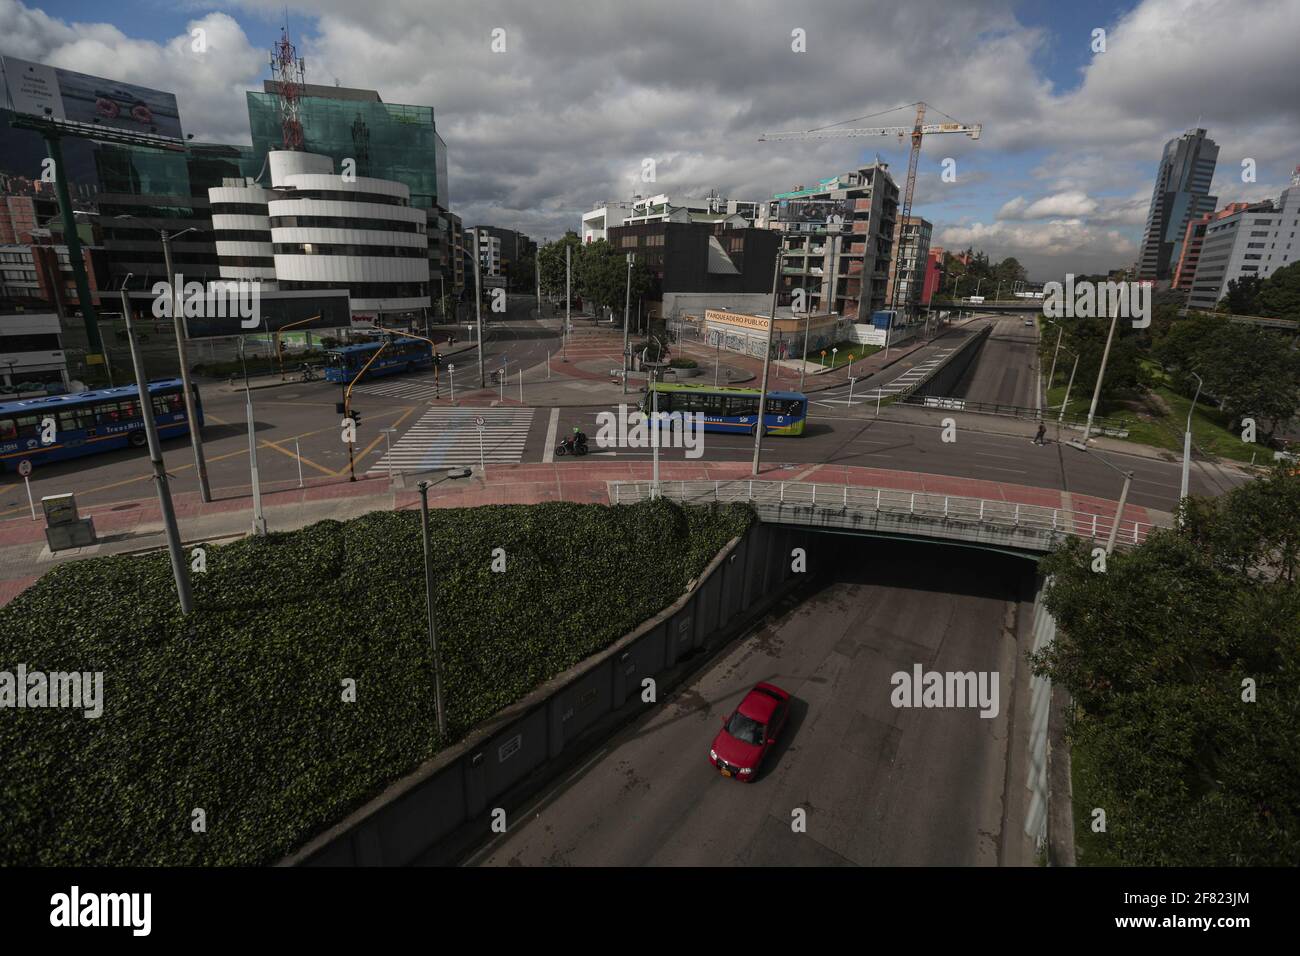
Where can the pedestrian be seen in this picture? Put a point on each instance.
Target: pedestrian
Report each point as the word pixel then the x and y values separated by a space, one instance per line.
pixel 1042 430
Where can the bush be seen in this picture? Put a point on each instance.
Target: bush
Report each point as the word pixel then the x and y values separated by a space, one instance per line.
pixel 238 710
pixel 683 363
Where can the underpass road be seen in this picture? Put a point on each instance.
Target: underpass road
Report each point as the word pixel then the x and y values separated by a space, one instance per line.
pixel 879 785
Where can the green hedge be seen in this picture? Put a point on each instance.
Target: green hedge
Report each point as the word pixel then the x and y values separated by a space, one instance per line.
pixel 239 710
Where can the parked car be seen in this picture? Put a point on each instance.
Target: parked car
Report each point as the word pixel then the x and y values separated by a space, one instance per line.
pixel 750 731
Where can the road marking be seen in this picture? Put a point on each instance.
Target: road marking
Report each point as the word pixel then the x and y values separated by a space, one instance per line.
pixel 449 436
pixel 552 429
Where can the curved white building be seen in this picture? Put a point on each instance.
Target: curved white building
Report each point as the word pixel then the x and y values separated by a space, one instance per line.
pixel 242 231
pixel 328 231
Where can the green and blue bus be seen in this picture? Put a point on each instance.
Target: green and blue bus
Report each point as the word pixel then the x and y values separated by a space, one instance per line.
pixel 345 363
pixel 731 409
pixel 90 422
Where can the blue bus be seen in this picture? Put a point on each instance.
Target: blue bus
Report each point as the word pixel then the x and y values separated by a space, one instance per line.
pixel 90 422
pixel 735 410
pixel 343 364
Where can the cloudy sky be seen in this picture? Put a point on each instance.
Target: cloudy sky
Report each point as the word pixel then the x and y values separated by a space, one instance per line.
pixel 585 90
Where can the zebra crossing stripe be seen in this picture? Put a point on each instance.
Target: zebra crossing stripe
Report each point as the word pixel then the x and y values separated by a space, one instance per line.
pixel 449 436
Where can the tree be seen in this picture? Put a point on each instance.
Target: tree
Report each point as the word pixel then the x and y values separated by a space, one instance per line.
pixel 604 276
pixel 1279 296
pixel 1242 297
pixel 1183 660
pixel 551 260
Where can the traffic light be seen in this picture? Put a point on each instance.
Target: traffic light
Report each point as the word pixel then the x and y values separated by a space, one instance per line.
pixel 356 417
pixel 280 344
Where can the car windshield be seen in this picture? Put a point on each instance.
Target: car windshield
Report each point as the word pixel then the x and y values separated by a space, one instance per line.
pixel 745 729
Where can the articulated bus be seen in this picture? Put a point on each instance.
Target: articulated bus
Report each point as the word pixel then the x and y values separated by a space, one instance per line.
pixel 729 409
pixel 345 363
pixel 90 422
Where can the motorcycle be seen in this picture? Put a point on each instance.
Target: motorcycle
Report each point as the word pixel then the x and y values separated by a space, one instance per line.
pixel 575 445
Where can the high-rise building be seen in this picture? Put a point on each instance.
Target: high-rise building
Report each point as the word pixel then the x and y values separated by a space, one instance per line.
pixel 838 241
pixel 1253 241
pixel 510 249
pixel 714 209
pixel 1181 194
pixel 1191 248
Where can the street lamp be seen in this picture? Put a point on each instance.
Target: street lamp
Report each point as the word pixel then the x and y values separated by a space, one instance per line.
pixel 1069 385
pixel 627 307
pixel 424 487
pixel 1060 330
pixel 191 413
pixel 1101 371
pixel 767 359
pixel 1187 440
pixel 1123 495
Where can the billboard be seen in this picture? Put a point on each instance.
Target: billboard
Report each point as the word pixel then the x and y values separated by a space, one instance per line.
pixel 33 88
pixel 814 210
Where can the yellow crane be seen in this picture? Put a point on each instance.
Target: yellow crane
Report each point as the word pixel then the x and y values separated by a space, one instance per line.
pixel 918 130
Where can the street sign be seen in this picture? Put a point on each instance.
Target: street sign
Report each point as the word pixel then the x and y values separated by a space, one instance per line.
pixel 479 422
pixel 24 468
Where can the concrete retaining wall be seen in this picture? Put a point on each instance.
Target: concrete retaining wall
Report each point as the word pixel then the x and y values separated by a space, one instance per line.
pixel 1049 819
pixel 442 809
pixel 945 378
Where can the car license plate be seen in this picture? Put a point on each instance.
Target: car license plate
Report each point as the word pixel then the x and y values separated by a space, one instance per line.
pixel 726 773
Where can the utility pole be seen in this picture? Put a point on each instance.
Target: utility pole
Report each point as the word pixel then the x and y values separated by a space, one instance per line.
pixel 1187 442
pixel 478 307
pixel 568 298
pixel 1096 392
pixel 1119 512
pixel 196 440
pixel 1069 385
pixel 1060 330
pixel 767 359
pixel 180 570
pixel 428 598
pixel 627 308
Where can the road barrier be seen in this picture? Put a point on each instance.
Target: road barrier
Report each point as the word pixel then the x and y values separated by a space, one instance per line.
pixel 886 510
pixel 1101 426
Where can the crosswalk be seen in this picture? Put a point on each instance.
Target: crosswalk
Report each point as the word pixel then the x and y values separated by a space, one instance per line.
pixel 406 388
pixel 449 436
pixel 863 395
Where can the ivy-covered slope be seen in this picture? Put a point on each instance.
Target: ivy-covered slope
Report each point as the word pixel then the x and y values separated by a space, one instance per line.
pixel 240 710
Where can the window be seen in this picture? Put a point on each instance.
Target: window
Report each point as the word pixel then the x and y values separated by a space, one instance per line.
pixel 8 430
pixel 76 418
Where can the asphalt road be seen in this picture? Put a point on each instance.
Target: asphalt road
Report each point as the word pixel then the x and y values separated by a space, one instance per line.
pixel 880 785
pixel 1006 371
pixel 300 420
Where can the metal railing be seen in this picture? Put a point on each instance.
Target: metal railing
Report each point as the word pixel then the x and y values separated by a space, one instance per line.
pixel 1105 426
pixel 850 506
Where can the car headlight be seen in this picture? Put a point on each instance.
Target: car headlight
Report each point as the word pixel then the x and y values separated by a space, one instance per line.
pixel 745 770
pixel 713 754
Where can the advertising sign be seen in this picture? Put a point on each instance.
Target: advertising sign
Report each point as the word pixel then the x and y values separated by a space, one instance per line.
pixel 33 88
pixel 814 210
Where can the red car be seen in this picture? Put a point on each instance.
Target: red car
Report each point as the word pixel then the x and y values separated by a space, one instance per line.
pixel 749 733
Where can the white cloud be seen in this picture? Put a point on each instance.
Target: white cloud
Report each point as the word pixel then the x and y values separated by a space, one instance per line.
pixel 1072 203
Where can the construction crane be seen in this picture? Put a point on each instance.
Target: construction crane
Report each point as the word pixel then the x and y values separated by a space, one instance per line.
pixel 918 130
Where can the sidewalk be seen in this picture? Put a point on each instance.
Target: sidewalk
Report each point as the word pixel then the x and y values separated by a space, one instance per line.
pixel 137 525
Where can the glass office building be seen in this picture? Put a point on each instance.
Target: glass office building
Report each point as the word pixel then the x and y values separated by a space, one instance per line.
pixel 386 140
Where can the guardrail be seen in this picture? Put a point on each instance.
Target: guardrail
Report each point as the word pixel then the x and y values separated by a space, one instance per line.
pixel 985 520
pixel 1104 426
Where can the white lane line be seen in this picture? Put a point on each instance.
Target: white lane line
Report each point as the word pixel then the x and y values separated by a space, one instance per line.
pixel 552 427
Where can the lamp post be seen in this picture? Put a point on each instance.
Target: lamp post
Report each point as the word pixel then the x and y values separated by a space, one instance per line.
pixel 767 359
pixel 1060 330
pixel 1096 392
pixel 627 307
pixel 1187 441
pixel 174 287
pixel 1123 495
pixel 424 487
pixel 1069 385
pixel 180 570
